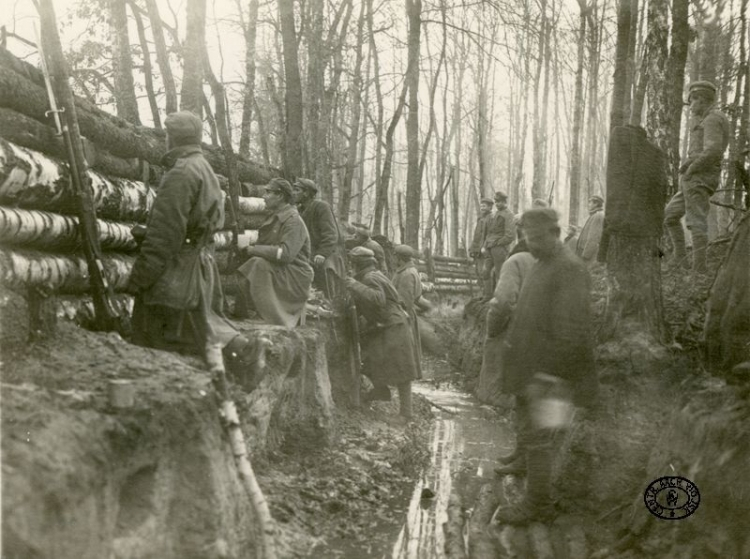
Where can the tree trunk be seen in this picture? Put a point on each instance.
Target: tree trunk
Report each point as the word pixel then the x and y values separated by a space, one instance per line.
pixel 191 96
pixel 293 93
pixel 127 106
pixel 248 99
pixel 675 83
pixel 620 88
pixel 413 178
pixel 162 56
pixel 355 100
pixel 575 142
pixel 147 69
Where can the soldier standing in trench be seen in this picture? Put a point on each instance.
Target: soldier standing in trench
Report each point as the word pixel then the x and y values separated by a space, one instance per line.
pixel 175 280
pixel 326 242
pixel 477 250
pixel 500 234
pixel 699 174
pixel 549 339
pixel 388 354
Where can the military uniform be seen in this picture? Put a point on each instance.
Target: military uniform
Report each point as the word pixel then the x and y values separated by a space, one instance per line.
pixel 181 311
pixel 587 246
pixel 278 287
pixel 326 241
pixel 409 286
pixel 388 355
pixel 699 177
pixel 500 232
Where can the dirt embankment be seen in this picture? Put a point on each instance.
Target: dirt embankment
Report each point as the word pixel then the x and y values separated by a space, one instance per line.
pixel 659 414
pixel 82 479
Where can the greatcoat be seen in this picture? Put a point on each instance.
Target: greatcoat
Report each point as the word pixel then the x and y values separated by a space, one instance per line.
pixel 325 240
pixel 188 209
pixel 409 286
pixel 386 340
pixel 278 288
pixel 550 331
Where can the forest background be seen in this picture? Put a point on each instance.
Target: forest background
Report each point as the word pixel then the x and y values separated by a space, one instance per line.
pixel 407 112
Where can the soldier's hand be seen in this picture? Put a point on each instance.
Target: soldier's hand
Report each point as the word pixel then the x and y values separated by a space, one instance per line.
pixel 319 259
pixel 349 281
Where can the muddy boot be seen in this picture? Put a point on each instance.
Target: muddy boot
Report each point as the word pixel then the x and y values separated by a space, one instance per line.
pixel 404 399
pixel 700 242
pixel 679 254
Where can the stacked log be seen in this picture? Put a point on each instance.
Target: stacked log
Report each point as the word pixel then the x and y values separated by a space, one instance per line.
pixel 449 275
pixel 40 247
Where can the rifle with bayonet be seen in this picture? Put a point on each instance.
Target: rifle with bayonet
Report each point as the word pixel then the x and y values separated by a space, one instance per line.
pixel 355 350
pixel 58 88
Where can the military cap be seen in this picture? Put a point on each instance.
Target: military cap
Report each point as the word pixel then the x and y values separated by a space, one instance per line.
pixel 361 252
pixel 486 201
pixel 539 218
pixel 281 185
pixel 702 86
pixel 598 199
pixel 306 183
pixel 184 127
pixel 404 251
pixel 501 196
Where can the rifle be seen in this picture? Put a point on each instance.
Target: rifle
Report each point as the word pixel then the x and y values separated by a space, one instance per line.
pixel 356 351
pixel 105 316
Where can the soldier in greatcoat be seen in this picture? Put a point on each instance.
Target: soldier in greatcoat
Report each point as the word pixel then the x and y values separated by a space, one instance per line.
pixel 175 280
pixel 500 234
pixel 387 342
pixel 326 242
pixel 587 246
pixel 407 282
pixel 477 250
pixel 276 280
pixel 548 338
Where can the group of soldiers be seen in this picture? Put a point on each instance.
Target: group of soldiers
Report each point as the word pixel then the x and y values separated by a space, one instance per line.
pixel 179 303
pixel 538 289
pixel 539 312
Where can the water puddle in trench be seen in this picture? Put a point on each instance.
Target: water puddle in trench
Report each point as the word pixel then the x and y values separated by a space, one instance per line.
pixel 467 439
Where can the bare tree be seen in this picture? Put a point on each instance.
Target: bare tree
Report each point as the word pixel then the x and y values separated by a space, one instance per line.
pixel 125 100
pixel 191 96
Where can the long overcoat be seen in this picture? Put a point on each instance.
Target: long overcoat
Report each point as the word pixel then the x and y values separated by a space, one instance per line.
pixel 550 331
pixel 187 210
pixel 409 286
pixel 279 289
pixel 386 340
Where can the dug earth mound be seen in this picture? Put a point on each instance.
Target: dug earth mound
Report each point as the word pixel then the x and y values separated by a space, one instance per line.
pixel 157 478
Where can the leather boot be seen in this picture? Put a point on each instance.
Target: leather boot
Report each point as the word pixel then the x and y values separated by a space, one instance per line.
pixel 404 399
pixel 700 242
pixel 679 254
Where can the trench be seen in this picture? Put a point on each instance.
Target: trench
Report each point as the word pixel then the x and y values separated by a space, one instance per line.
pixel 465 441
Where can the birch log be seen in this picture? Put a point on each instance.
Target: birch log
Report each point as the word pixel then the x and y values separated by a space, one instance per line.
pixel 60 273
pixel 22 89
pixel 30 179
pixel 46 230
pixel 250 206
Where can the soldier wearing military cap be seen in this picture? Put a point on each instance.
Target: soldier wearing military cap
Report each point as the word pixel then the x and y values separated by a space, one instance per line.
pixel 387 341
pixel 477 250
pixel 276 279
pixel 363 238
pixel 549 339
pixel 326 241
pixel 699 174
pixel 587 246
pixel 500 234
pixel 407 282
